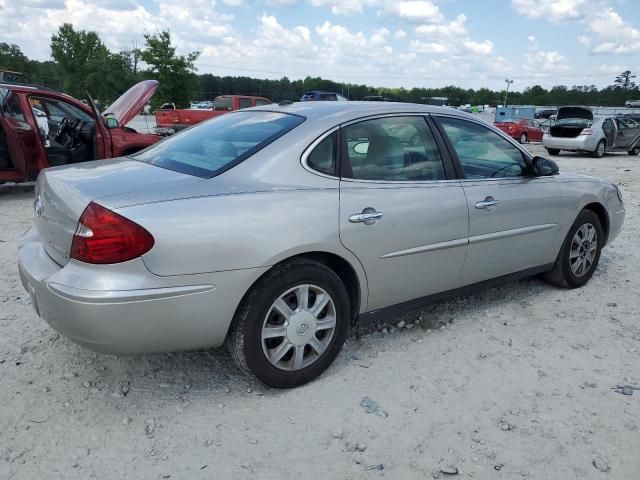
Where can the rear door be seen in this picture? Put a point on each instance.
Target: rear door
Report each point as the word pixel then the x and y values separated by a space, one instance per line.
pixel 513 219
pixel 628 131
pixel 401 211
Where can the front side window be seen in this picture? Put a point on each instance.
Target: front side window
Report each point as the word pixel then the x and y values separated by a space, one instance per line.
pixel 212 147
pixel 482 152
pixel 323 156
pixel 392 149
pixel 13 109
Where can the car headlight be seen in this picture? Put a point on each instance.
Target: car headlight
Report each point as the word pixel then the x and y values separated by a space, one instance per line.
pixel 618 191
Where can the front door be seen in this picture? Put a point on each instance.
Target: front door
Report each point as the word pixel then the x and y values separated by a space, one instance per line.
pixel 401 213
pixel 19 160
pixel 514 219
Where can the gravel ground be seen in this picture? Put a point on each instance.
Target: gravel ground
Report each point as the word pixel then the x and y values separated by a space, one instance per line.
pixel 512 382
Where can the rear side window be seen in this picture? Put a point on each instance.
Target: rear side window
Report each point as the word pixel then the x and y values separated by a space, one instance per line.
pixel 323 157
pixel 262 102
pixel 217 145
pixel 392 149
pixel 245 103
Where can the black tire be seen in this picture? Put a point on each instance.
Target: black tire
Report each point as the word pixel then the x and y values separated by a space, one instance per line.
pixel 634 151
pixel 600 149
pixel 523 138
pixel 244 339
pixel 561 273
pixel 553 151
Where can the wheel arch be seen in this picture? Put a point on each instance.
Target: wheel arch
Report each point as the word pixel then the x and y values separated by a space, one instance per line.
pixel 603 216
pixel 351 275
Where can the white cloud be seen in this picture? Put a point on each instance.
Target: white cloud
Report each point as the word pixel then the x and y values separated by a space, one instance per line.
pixel 479 48
pixel 554 11
pixel 416 11
pixel 400 34
pixel 344 7
pixel 232 3
pixel 281 3
pixel 454 28
pixel 612 34
pixel 542 62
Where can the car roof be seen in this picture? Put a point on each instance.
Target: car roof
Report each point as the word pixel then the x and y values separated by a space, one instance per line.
pixel 340 112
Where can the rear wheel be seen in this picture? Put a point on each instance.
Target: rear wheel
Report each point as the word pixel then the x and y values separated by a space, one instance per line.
pixel 523 138
pixel 600 149
pixel 634 151
pixel 553 151
pixel 291 325
pixel 580 252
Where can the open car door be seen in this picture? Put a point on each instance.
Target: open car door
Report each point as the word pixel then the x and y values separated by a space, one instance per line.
pixel 103 137
pixel 19 156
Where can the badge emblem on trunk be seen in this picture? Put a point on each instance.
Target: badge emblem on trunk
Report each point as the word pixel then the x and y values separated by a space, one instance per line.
pixel 38 206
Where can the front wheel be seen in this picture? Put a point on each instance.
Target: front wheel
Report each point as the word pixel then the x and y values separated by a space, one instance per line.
pixel 291 325
pixel 523 138
pixel 553 151
pixel 580 252
pixel 634 151
pixel 600 149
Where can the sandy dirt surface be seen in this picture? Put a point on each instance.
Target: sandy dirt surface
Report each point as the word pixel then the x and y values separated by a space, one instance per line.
pixel 514 382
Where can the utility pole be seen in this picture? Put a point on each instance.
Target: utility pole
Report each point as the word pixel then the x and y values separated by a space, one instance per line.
pixel 509 82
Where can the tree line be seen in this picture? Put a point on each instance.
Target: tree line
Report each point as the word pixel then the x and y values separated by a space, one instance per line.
pixel 82 62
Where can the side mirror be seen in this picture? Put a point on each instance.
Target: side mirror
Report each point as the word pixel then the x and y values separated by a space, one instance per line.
pixel 112 123
pixel 543 167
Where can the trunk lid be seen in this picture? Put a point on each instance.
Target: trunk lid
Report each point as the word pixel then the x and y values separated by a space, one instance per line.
pixel 63 193
pixel 574 113
pixel 131 102
pixel 570 121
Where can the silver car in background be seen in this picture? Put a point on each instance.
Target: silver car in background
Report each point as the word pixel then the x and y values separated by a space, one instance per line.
pixel 577 129
pixel 275 229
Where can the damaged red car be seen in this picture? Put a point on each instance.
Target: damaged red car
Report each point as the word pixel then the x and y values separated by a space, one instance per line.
pixel 41 128
pixel 524 130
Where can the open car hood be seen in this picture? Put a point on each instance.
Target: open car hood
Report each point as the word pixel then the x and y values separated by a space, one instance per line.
pixel 574 112
pixel 131 102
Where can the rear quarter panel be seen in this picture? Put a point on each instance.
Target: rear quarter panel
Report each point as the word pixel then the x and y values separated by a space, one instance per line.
pixel 241 231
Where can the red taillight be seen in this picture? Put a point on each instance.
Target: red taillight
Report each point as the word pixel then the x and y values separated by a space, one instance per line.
pixel 586 131
pixel 104 236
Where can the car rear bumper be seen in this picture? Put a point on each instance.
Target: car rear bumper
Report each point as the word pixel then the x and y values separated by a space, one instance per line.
pixel 584 143
pixel 161 314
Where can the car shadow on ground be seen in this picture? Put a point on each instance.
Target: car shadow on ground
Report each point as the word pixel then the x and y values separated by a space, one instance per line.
pixel 211 372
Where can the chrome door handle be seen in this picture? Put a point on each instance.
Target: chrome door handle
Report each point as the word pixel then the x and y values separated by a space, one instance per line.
pixel 369 216
pixel 487 204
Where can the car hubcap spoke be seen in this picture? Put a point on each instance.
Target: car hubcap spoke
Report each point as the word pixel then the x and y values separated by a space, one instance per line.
pixel 298 327
pixel 584 246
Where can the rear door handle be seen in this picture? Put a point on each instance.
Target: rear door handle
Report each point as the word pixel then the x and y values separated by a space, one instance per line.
pixel 487 204
pixel 369 216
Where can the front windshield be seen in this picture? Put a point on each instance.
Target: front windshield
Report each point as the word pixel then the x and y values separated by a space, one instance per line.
pixel 213 147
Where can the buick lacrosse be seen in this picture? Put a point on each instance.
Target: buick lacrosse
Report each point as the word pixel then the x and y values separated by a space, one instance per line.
pixel 274 229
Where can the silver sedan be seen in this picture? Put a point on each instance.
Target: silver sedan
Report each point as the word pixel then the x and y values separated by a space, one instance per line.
pixel 275 229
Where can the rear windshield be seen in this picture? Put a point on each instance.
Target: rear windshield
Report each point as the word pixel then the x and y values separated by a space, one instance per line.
pixel 573 122
pixel 217 145
pixel 222 103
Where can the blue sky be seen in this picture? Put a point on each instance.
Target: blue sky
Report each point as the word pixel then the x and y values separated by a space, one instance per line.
pixel 469 43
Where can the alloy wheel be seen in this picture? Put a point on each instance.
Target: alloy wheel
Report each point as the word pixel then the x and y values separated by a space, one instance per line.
pixel 584 247
pixel 298 327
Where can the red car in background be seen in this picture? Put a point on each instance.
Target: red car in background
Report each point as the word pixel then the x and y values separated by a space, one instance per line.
pixel 173 120
pixel 523 130
pixel 41 128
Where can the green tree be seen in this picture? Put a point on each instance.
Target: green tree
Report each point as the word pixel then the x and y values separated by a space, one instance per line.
pixel 176 73
pixel 88 64
pixel 625 80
